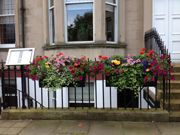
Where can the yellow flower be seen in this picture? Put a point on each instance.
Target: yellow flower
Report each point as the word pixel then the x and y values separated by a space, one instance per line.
pixel 147 70
pixel 117 63
pixel 113 61
pixel 47 66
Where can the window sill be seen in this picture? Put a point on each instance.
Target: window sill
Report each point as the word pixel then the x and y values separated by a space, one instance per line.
pixel 90 45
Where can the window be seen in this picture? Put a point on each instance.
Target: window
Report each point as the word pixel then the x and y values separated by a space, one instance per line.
pixel 51 21
pixel 79 96
pixel 79 20
pixel 7 24
pixel 111 20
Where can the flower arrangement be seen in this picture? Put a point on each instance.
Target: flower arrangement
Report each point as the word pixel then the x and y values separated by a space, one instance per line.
pixel 130 71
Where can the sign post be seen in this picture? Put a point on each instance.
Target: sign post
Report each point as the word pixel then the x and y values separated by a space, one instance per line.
pixel 22 56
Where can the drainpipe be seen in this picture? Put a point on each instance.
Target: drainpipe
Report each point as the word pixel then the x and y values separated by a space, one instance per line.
pixel 23 78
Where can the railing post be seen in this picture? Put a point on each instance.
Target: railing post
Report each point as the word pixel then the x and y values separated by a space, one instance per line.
pixel 23 81
pixel 2 82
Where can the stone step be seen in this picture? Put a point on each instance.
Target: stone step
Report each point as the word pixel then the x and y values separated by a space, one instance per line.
pixel 174 104
pixel 176 67
pixel 174 116
pixel 174 93
pixel 174 85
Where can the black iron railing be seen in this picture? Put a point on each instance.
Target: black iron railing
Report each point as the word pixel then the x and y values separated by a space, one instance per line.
pixel 154 42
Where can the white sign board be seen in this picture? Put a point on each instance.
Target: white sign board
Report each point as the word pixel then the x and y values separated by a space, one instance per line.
pixel 23 56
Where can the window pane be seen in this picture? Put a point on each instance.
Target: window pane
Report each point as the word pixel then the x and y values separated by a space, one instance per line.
pixel 79 93
pixel 109 23
pixel 78 0
pixel 111 1
pixel 80 22
pixel 6 7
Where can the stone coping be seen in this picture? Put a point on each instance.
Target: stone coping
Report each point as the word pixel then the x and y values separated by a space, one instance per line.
pixel 85 45
pixel 143 115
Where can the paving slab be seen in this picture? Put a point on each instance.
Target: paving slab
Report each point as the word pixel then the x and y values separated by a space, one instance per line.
pixel 73 127
pixel 140 128
pixel 2 130
pixel 41 127
pixel 169 128
pixel 12 131
pixel 21 124
pixel 106 128
pixel 2 121
pixel 7 124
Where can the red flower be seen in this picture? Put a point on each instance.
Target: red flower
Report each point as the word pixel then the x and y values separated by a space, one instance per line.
pixel 105 58
pixel 45 56
pixel 141 52
pixel 83 58
pixel 60 54
pixel 100 56
pixel 38 58
pixel 143 49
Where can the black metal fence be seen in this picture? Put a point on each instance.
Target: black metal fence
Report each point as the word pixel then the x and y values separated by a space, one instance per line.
pixel 154 42
pixel 20 91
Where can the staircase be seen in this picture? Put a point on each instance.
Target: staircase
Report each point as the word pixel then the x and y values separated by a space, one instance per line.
pixel 174 95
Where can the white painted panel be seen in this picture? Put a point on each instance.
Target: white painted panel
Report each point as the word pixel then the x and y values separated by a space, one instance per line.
pixel 175 25
pixel 159 7
pixel 176 46
pixel 175 6
pixel 160 25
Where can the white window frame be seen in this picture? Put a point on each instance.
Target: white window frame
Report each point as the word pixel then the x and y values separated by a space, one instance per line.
pixel 66 32
pixel 7 45
pixel 115 21
pixel 51 30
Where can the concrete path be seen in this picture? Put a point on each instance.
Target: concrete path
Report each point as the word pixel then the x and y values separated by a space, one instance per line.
pixel 77 127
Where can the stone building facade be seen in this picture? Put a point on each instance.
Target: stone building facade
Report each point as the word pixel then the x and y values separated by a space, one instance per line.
pixel 132 19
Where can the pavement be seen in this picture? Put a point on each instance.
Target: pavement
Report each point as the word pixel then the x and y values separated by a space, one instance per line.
pixel 79 127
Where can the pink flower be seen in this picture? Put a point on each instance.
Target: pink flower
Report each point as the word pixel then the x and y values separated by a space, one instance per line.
pixel 26 67
pixel 26 74
pixel 80 78
pixel 38 64
pixel 122 70
pixel 71 67
pixel 164 72
pixel 152 64
pixel 72 72
pixel 154 59
pixel 33 78
pixel 155 72
pixel 169 56
pixel 169 70
pixel 165 76
pixel 117 71
pixel 172 77
pixel 37 78
pixel 80 69
pixel 160 71
pixel 152 79
pixel 157 67
pixel 75 78
pixel 145 79
pixel 48 62
pixel 90 68
pixel 150 68
pixel 40 71
pixel 155 63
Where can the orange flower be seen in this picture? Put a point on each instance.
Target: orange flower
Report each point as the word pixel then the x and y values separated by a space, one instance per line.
pixel 143 49
pixel 100 56
pixel 75 64
pixel 38 58
pixel 141 52
pixel 105 58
